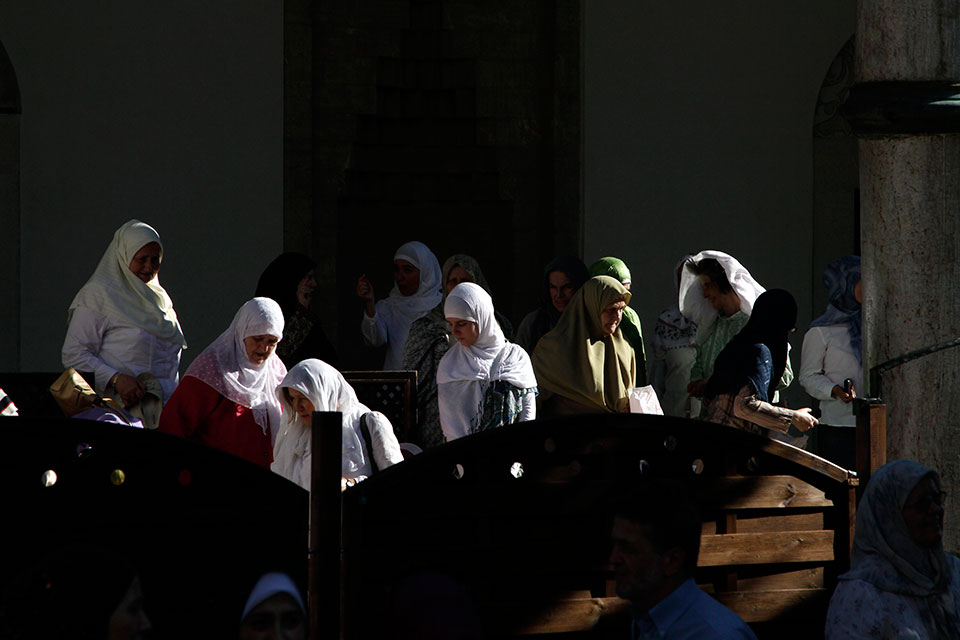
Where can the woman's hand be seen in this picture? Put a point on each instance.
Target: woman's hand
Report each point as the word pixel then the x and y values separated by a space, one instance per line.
pixel 129 388
pixel 803 420
pixel 838 392
pixel 365 293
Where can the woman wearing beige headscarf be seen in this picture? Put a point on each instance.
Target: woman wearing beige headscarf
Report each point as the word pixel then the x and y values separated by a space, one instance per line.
pixel 584 364
pixel 122 323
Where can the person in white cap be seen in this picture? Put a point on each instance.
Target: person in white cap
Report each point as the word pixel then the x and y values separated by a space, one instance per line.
pixel 274 610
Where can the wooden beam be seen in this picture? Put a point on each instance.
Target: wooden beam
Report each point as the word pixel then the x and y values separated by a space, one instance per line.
pixel 324 576
pixel 766 548
pixel 779 604
pixel 562 616
pixel 763 492
pixel 871 439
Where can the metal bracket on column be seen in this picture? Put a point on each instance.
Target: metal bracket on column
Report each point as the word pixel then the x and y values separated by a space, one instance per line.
pixel 876 373
pixel 907 108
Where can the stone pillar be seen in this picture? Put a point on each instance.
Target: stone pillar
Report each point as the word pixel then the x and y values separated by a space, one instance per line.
pixel 907 56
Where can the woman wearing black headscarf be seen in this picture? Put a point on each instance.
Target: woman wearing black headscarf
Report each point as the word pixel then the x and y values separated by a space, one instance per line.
pixel 561 279
pixel 290 281
pixel 748 369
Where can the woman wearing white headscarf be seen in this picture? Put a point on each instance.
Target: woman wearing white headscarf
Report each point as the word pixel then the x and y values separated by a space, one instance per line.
pixel 227 398
pixel 274 609
pixel 717 292
pixel 313 385
pixel 416 290
pixel 122 323
pixel 901 583
pixel 483 381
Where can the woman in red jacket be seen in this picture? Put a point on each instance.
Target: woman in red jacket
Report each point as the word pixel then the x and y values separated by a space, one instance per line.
pixel 227 398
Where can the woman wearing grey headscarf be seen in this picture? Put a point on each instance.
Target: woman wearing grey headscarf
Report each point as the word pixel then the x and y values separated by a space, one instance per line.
pixel 901 583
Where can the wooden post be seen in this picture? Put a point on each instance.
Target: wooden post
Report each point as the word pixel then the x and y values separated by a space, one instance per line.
pixel 871 439
pixel 323 592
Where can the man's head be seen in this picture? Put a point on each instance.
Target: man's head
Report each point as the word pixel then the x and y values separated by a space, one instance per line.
pixel 656 541
pixel 716 286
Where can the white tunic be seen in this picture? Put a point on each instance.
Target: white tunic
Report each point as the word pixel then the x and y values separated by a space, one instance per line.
pixel 104 346
pixel 827 359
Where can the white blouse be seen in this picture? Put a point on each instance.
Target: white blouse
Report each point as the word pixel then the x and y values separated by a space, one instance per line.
pixel 96 343
pixel 827 360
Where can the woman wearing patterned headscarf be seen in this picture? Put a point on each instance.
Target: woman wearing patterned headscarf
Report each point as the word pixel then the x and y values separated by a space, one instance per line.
pixel 584 364
pixel 416 290
pixel 483 381
pixel 901 583
pixel 832 354
pixel 227 398
pixel 428 341
pixel 122 323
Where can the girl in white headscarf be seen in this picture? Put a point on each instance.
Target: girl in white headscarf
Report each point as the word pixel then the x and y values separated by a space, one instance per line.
pixel 313 385
pixel 483 381
pixel 416 290
pixel 227 398
pixel 122 323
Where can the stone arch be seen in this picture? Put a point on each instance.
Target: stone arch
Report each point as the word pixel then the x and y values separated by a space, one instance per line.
pixel 9 215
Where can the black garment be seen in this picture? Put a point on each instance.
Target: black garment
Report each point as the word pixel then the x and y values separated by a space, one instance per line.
pixel 303 336
pixel 758 354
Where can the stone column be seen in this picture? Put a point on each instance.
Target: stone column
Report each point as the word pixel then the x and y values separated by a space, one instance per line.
pixel 908 54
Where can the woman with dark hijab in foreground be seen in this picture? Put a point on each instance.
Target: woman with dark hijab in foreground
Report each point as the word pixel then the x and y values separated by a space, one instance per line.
pixel 748 369
pixel 901 583
pixel 562 278
pixel 291 282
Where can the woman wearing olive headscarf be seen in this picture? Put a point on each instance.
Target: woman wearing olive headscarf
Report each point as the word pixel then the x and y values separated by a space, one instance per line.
pixel 584 364
pixel 428 341
pixel 901 583
pixel 832 354
pixel 630 326
pixel 122 323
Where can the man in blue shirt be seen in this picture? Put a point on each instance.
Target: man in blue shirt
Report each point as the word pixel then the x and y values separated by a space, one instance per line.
pixel 656 541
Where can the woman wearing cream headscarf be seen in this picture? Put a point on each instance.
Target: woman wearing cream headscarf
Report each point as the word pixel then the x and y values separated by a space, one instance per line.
pixel 122 323
pixel 483 381
pixel 584 364
pixel 313 385
pixel 227 398
pixel 429 340
pixel 416 290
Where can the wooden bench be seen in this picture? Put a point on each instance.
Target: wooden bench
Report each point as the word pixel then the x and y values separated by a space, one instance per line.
pixel 520 515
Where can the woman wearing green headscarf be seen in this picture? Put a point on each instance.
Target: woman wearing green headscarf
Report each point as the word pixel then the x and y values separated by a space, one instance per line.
pixel 584 364
pixel 630 327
